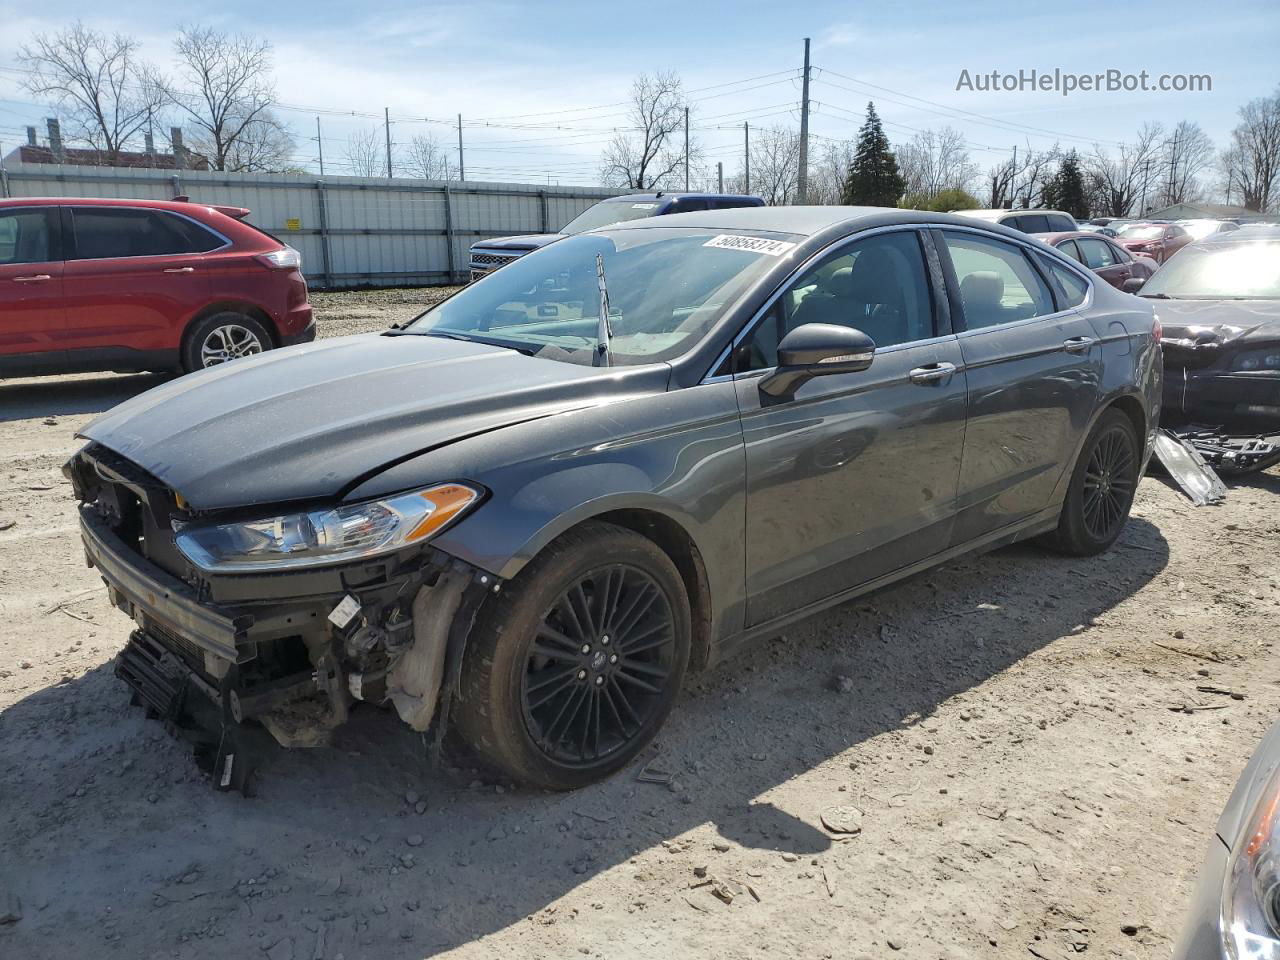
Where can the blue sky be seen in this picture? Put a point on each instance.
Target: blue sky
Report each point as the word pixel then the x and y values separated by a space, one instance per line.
pixel 551 73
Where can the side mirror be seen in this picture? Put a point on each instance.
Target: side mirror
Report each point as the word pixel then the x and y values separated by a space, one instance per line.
pixel 1133 284
pixel 816 350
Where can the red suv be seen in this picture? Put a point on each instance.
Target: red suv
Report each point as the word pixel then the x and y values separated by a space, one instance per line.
pixel 132 285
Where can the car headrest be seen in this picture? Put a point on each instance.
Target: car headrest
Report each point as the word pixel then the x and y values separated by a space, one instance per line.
pixel 983 288
pixel 840 283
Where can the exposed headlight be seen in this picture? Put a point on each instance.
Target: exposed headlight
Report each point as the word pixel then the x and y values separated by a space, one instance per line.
pixel 1251 891
pixel 317 537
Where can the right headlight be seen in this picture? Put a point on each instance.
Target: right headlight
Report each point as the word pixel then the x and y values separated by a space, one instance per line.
pixel 331 535
pixel 1268 359
pixel 1251 891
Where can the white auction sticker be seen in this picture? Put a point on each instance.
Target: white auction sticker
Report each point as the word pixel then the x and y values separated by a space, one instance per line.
pixel 643 206
pixel 343 613
pixel 729 241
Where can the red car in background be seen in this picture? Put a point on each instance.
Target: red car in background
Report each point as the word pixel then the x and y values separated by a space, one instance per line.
pixel 1158 240
pixel 1102 255
pixel 132 285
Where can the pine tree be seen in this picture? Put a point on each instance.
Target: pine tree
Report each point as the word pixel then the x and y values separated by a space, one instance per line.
pixel 1066 190
pixel 873 178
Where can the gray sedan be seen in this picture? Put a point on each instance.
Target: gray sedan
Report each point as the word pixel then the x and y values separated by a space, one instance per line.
pixel 1235 911
pixel 529 513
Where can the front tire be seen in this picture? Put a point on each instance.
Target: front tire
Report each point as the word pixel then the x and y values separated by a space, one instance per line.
pixel 1102 488
pixel 223 337
pixel 573 668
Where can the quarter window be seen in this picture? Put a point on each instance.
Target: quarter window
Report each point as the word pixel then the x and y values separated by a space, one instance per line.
pixel 24 237
pixel 1073 285
pixel 106 232
pixel 878 285
pixel 998 284
pixel 1071 250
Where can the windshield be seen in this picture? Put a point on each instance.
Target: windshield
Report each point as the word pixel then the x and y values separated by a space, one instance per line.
pixel 1226 271
pixel 667 288
pixel 1141 233
pixel 608 212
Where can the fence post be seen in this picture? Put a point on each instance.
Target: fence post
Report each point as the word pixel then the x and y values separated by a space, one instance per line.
pixel 542 210
pixel 448 233
pixel 325 256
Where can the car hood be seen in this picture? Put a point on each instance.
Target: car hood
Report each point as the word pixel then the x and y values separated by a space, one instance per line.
pixel 1219 322
pixel 309 422
pixel 530 241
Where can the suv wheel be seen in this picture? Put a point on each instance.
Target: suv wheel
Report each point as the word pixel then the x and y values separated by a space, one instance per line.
pixel 573 668
pixel 223 337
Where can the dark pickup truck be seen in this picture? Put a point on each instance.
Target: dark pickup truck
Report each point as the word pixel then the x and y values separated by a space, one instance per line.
pixel 489 255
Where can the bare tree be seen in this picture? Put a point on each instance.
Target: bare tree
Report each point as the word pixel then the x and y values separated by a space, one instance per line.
pixel 224 87
pixel 827 175
pixel 263 145
pixel 1188 153
pixel 364 153
pixel 1124 182
pixel 426 159
pixel 1253 159
pixel 936 160
pixel 106 92
pixel 775 164
pixel 650 151
pixel 1036 169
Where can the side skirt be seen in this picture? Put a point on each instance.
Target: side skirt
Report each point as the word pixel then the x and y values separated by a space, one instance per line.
pixel 1042 522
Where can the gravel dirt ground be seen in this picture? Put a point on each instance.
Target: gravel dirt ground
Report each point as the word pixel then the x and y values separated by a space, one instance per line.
pixel 1008 730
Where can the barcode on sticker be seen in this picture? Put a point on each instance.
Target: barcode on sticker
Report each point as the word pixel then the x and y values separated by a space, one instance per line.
pixel 770 248
pixel 343 613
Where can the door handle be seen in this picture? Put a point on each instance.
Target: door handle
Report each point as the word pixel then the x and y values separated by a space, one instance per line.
pixel 1078 344
pixel 932 373
pixel 180 270
pixel 38 278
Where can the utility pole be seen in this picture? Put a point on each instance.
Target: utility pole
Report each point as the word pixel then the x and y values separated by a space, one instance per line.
pixel 1173 167
pixel 802 181
pixel 686 148
pixel 746 157
pixel 1013 178
pixel 1146 175
pixel 320 146
pixel 386 114
pixel 462 170
pixel 719 177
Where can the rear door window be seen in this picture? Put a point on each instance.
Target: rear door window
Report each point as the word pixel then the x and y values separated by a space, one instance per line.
pixel 106 232
pixel 998 284
pixel 1071 250
pixel 1034 223
pixel 25 236
pixel 1097 253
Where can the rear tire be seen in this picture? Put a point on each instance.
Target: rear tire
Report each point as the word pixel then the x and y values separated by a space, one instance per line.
pixel 570 671
pixel 223 337
pixel 1102 487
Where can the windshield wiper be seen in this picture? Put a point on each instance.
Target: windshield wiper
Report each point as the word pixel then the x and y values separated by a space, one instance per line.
pixel 1156 296
pixel 601 357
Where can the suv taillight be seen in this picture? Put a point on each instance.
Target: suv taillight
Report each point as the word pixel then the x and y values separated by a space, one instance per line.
pixel 285 258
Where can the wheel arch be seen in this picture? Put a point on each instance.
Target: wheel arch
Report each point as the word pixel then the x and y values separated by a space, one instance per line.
pixel 231 306
pixel 655 519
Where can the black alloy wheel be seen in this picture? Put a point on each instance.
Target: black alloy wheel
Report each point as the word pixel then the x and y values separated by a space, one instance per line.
pixel 572 667
pixel 1109 481
pixel 598 665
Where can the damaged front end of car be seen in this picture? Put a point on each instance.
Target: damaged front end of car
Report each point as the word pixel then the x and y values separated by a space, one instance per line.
pixel 1222 372
pixel 278 624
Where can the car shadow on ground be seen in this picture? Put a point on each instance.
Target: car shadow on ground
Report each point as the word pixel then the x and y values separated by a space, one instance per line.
pixel 31 399
pixel 365 849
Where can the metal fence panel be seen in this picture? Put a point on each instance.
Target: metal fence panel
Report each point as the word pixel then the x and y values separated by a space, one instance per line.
pixel 351 231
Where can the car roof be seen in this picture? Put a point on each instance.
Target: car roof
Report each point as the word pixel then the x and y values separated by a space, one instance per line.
pixel 994 212
pixel 800 221
pixel 1068 235
pixel 99 202
pixel 669 194
pixel 1253 235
